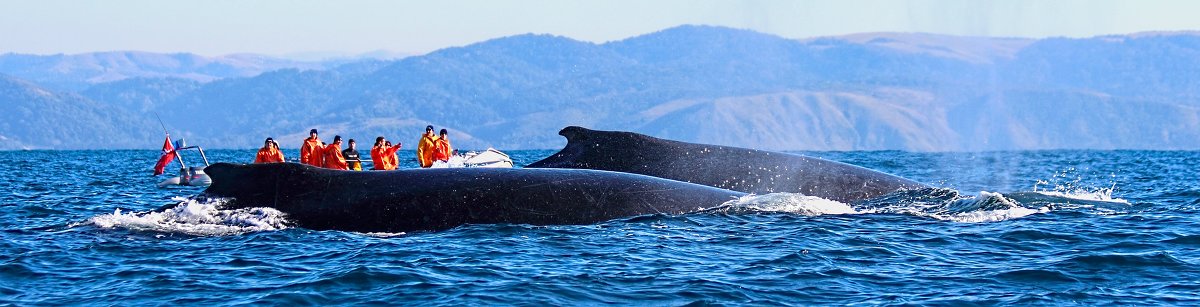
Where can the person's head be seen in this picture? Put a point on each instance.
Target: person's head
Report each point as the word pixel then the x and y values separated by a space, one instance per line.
pixel 378 141
pixel 350 143
pixel 429 129
pixel 337 139
pixel 442 133
pixel 268 142
pixel 387 143
pixel 312 133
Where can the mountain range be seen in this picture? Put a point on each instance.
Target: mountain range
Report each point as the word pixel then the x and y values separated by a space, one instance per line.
pixel 871 91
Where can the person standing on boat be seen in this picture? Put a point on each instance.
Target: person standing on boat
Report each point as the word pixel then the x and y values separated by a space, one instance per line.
pixel 269 153
pixel 442 149
pixel 426 147
pixel 351 155
pixel 333 154
pixel 310 151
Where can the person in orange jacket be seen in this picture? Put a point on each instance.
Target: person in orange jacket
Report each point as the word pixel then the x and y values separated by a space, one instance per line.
pixel 441 147
pixel 319 155
pixel 269 153
pixel 310 151
pixel 383 155
pixel 425 147
pixel 393 157
pixel 333 155
pixel 377 161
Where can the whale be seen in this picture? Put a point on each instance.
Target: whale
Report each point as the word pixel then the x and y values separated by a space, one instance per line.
pixel 439 199
pixel 731 168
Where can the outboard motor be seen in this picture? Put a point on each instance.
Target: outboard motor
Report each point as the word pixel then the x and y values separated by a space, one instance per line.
pixel 185 175
pixel 198 177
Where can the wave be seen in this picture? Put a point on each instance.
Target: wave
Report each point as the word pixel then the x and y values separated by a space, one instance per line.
pixel 1185 239
pixel 1036 276
pixel 1135 261
pixel 196 218
pixel 950 205
pixel 937 203
pixel 987 207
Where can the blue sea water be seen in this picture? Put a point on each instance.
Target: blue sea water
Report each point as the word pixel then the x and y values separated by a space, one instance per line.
pixel 1103 227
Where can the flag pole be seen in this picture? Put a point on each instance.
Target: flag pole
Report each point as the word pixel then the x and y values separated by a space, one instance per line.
pixel 164 126
pixel 160 122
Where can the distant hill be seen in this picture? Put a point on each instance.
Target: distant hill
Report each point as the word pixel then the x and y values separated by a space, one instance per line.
pixel 920 92
pixel 32 117
pixel 79 71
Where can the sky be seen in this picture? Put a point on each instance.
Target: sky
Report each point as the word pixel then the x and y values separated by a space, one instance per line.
pixel 302 28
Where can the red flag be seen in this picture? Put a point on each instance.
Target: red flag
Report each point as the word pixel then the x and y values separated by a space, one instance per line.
pixel 168 154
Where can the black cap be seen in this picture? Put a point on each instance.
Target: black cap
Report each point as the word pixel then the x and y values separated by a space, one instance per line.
pixel 337 138
pixel 430 127
pixel 312 131
pixel 351 141
pixel 443 131
pixel 269 139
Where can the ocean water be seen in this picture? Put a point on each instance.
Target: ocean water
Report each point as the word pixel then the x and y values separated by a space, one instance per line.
pixel 1040 227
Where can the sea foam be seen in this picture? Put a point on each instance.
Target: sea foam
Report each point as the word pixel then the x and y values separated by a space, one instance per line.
pixel 987 207
pixel 790 203
pixel 197 218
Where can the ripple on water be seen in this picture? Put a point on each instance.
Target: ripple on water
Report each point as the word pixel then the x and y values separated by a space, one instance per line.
pixel 1055 237
pixel 1184 239
pixel 37 212
pixel 1152 262
pixel 297 299
pixel 15 270
pixel 1036 276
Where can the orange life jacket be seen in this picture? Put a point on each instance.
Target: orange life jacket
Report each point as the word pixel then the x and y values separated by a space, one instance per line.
pixel 310 152
pixel 268 155
pixel 425 149
pixel 377 158
pixel 393 161
pixel 441 150
pixel 333 157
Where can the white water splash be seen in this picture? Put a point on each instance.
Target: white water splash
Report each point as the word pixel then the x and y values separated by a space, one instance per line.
pixel 949 205
pixel 790 203
pixel 1066 187
pixel 197 218
pixel 1103 194
pixel 455 161
pixel 989 216
pixel 987 207
pixel 385 234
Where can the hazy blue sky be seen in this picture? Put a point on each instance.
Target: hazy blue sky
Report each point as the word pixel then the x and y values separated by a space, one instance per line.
pixel 289 26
